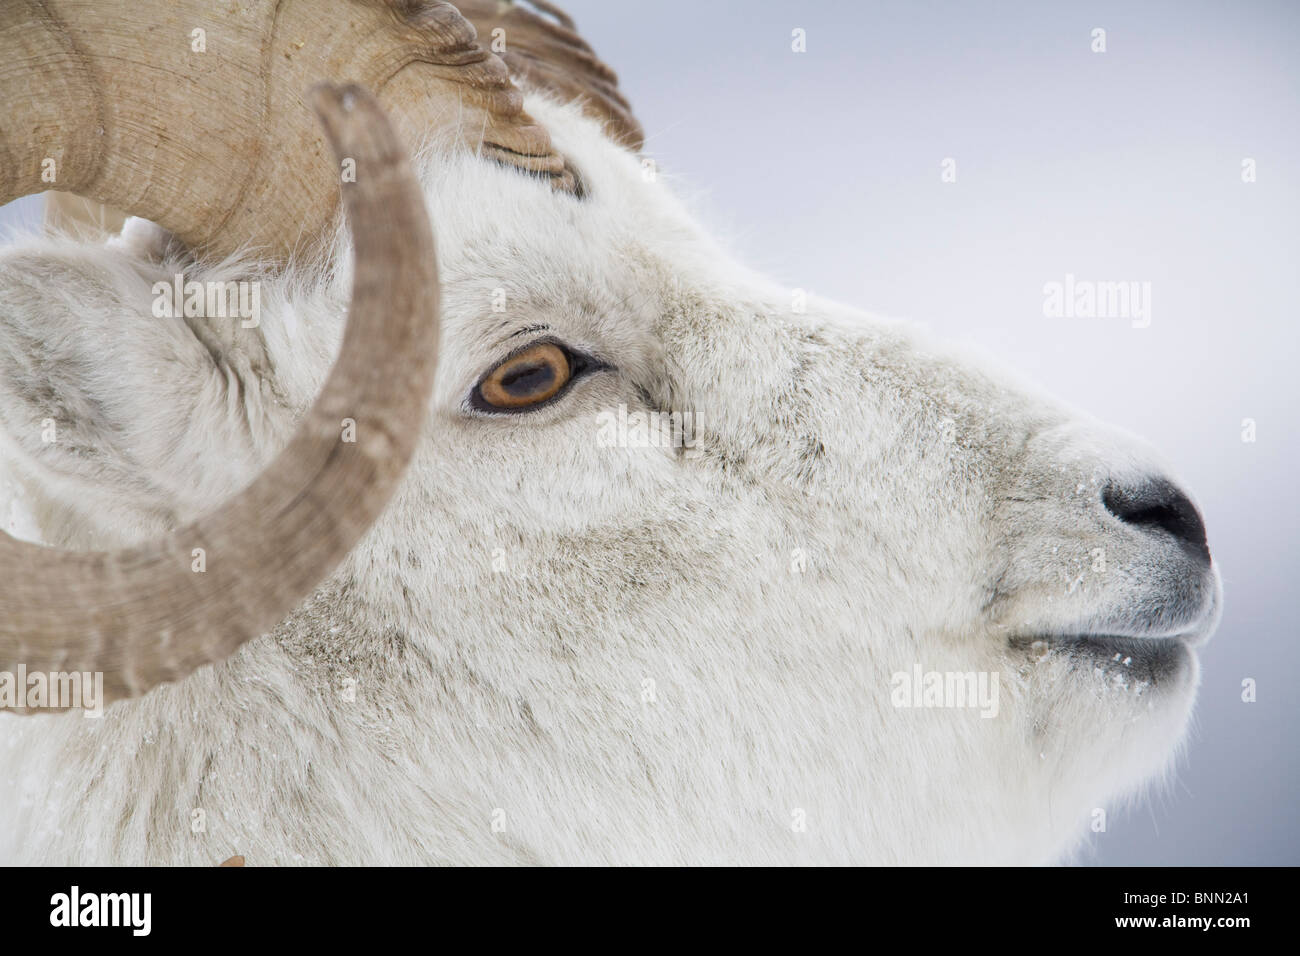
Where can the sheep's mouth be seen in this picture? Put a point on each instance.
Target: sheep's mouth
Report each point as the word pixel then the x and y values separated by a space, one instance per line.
pixel 1140 661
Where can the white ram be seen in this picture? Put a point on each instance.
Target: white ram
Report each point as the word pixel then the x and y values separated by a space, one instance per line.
pixel 675 574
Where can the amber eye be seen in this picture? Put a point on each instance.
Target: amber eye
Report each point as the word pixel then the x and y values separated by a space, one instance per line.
pixel 529 378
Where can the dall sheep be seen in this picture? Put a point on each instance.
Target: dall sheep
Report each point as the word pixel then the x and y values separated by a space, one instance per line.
pixel 676 574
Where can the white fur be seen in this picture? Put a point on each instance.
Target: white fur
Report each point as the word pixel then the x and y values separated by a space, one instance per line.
pixel 503 618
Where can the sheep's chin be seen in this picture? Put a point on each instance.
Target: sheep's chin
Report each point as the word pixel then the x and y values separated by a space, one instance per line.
pixel 1104 730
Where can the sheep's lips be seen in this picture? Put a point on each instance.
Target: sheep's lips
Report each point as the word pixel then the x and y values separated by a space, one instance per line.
pixel 1150 660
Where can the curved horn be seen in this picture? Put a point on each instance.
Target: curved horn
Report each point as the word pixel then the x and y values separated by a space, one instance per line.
pixel 143 615
pixel 191 113
pixel 545 50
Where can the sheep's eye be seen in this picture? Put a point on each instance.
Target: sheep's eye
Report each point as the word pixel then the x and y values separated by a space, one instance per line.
pixel 529 378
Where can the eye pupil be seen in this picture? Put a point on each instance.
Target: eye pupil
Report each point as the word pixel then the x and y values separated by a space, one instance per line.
pixel 527 379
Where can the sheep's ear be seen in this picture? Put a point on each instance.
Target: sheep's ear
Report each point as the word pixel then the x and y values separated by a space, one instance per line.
pixel 544 50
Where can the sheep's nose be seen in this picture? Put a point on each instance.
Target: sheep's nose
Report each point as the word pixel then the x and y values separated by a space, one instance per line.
pixel 1158 506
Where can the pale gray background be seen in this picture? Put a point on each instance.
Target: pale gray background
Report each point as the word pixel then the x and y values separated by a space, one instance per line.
pixel 823 168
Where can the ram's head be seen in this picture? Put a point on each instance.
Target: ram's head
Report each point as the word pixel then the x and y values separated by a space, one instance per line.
pixel 698 552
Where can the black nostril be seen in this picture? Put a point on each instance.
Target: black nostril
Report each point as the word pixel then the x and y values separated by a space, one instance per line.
pixel 1158 504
